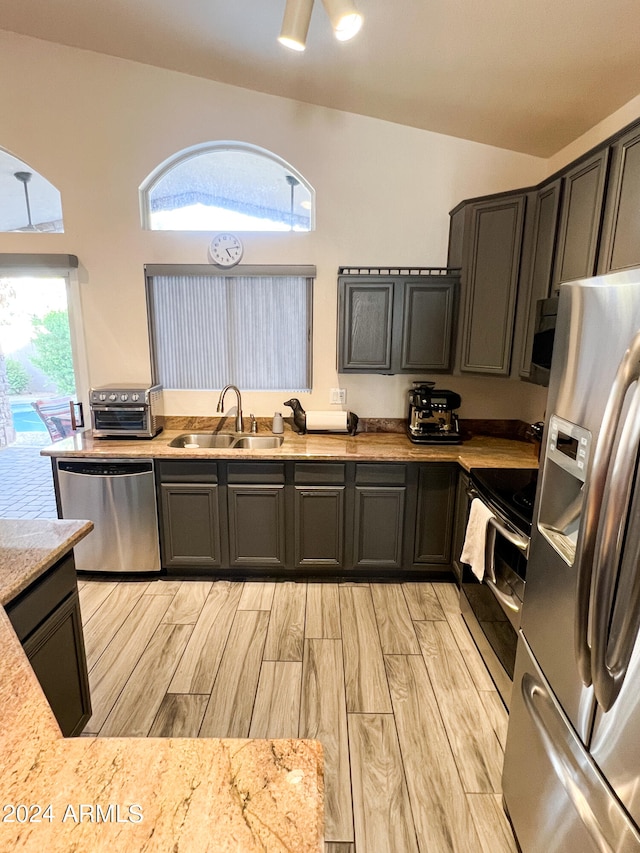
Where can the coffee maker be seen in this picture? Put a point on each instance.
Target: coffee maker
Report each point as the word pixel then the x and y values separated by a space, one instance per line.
pixel 432 418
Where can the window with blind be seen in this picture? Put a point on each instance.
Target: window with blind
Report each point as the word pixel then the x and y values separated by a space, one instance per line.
pixel 250 327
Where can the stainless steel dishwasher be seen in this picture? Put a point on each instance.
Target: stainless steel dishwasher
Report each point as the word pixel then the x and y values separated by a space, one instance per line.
pixel 119 496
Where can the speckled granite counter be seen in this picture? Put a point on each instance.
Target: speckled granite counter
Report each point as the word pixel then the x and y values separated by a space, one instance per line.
pixel 87 795
pixel 29 547
pixel 479 451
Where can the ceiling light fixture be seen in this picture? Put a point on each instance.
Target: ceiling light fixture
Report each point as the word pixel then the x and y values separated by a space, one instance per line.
pixel 295 24
pixel 345 20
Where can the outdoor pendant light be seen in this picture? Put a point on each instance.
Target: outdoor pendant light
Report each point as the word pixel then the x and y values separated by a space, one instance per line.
pixel 345 18
pixel 295 24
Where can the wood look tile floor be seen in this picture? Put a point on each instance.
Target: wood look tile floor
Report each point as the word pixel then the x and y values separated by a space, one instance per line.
pixel 386 676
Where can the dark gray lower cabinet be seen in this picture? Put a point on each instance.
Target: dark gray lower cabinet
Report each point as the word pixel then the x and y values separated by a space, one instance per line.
pixel 434 513
pixel 190 518
pixel 191 525
pixel 378 527
pixel 257 534
pixel 317 518
pixel 319 527
pixel 46 618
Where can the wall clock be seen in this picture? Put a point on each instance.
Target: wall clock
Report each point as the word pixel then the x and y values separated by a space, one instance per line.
pixel 225 250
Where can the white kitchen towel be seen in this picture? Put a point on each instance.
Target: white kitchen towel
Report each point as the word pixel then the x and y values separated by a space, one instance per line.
pixel 475 539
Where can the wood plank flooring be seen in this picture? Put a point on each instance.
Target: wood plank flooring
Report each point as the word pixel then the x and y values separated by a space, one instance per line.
pixel 386 676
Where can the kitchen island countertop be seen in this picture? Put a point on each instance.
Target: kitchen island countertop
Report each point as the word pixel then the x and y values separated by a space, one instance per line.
pixel 134 794
pixel 476 452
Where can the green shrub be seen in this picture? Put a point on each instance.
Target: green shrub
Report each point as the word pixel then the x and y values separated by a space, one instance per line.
pixel 17 376
pixel 52 342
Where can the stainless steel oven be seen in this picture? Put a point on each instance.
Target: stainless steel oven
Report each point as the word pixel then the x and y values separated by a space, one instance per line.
pixel 492 609
pixel 126 411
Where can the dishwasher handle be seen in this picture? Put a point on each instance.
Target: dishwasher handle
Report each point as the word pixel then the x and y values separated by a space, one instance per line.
pixel 105 467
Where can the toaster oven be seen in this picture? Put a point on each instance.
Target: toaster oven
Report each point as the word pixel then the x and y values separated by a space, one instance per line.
pixel 126 411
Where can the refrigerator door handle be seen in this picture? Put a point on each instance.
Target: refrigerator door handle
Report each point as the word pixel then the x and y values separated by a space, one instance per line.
pixel 612 643
pixel 627 373
pixel 602 816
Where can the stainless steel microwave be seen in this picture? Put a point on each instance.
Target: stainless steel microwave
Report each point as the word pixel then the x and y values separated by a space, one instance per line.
pixel 542 350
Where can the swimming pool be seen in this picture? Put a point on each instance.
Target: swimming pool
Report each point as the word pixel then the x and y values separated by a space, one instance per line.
pixel 25 418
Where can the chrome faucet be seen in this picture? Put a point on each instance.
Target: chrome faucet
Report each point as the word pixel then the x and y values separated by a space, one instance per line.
pixel 238 404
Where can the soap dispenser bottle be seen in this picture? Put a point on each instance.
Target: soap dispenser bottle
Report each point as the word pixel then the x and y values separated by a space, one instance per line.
pixel 278 424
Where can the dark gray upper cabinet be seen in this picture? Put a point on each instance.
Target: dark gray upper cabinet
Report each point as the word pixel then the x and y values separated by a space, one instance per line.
pixel 580 218
pixel 366 322
pixel 621 229
pixel 535 279
pixel 395 324
pixel 489 241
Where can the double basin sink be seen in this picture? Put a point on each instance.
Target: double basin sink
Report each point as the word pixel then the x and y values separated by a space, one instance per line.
pixel 228 440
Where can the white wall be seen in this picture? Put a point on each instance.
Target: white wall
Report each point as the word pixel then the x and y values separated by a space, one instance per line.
pixel 96 126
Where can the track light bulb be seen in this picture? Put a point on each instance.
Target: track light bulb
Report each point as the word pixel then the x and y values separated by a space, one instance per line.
pixel 295 24
pixel 345 18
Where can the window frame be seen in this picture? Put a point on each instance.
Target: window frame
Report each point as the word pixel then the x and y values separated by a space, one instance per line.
pixel 185 154
pixel 307 272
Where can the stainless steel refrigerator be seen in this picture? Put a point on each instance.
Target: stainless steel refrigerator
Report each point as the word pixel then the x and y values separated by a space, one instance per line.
pixel 572 761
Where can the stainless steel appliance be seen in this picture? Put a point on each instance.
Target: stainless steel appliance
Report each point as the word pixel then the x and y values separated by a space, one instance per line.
pixel 572 762
pixel 119 496
pixel 492 608
pixel 543 338
pixel 126 411
pixel 432 418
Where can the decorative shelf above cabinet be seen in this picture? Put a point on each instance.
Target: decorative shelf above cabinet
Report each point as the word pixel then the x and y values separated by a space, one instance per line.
pixel 396 319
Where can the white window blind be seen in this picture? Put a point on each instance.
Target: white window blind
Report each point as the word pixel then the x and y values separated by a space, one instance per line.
pixel 253 331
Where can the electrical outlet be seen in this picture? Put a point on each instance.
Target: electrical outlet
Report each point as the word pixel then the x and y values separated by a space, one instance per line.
pixel 338 396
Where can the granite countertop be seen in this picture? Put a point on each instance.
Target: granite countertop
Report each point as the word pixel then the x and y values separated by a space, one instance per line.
pixel 29 547
pixel 135 794
pixel 476 452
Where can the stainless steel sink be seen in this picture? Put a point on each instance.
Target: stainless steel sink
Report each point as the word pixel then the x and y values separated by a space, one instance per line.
pixel 257 442
pixel 203 439
pixel 230 441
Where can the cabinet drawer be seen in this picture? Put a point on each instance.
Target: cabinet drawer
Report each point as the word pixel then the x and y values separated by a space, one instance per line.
pixel 188 471
pixel 32 606
pixel 255 472
pixel 314 473
pixel 381 474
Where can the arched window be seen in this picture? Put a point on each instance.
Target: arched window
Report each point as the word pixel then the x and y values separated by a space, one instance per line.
pixel 226 185
pixel 28 202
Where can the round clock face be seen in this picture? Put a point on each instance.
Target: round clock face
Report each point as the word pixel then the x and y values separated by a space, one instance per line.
pixel 225 250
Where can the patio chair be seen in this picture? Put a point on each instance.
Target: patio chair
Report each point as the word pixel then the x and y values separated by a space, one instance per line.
pixel 55 413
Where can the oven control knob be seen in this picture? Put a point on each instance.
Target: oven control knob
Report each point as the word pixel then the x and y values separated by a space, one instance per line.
pixel 135 397
pixel 124 397
pixel 102 396
pixel 113 396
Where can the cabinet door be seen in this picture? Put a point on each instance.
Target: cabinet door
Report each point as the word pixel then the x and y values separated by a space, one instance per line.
pixel 319 527
pixel 539 274
pixel 621 230
pixel 434 514
pixel 256 525
pixel 190 526
pixel 378 527
pixel 580 219
pixel 427 325
pixel 490 275
pixel 366 323
pixel 56 654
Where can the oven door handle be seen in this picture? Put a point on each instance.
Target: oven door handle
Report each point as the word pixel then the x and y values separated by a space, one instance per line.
pixel 510 601
pixel 511 534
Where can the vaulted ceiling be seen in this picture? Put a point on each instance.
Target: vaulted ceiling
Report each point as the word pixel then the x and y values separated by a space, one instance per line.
pixel 528 76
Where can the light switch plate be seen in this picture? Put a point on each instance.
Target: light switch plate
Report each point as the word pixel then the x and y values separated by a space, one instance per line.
pixel 338 396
